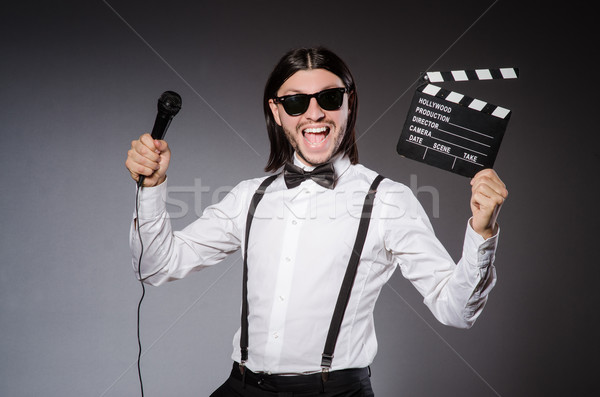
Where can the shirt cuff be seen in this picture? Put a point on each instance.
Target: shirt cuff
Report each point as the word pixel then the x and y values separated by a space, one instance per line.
pixel 478 251
pixel 152 201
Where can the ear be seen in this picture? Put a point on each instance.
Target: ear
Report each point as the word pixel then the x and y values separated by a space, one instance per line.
pixel 351 100
pixel 275 111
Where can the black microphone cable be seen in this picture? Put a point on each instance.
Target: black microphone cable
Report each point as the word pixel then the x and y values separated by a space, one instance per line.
pixel 168 106
pixel 137 217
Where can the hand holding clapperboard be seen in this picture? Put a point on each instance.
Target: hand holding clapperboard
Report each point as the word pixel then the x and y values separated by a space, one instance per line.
pixel 452 131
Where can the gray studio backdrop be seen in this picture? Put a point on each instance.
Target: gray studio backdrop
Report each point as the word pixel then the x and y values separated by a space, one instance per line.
pixel 80 80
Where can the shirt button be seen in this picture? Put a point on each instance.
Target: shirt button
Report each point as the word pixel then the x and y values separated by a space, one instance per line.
pixel 294 222
pixel 275 335
pixel 281 298
pixel 288 259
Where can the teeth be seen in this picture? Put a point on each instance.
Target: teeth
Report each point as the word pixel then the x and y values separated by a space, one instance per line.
pixel 315 130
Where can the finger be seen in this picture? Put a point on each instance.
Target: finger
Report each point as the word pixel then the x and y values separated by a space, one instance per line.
pixel 492 182
pixel 134 176
pixel 491 189
pixel 138 164
pixel 151 160
pixel 487 190
pixel 161 145
pixel 148 141
pixel 486 197
pixel 488 175
pixel 487 172
pixel 148 152
pixel 136 168
pixel 151 180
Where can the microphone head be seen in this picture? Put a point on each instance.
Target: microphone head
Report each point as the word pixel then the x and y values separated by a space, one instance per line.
pixel 169 103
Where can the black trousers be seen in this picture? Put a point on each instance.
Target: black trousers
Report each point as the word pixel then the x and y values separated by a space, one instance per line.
pixel 345 383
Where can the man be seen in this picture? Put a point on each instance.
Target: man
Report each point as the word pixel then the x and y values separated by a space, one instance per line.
pixel 303 235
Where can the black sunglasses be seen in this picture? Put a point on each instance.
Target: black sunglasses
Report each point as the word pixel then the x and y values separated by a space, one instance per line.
pixel 295 105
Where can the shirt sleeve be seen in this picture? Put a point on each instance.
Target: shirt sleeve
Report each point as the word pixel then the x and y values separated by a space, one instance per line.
pixel 169 255
pixel 455 293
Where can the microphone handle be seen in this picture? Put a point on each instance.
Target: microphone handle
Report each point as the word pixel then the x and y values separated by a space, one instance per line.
pixel 161 124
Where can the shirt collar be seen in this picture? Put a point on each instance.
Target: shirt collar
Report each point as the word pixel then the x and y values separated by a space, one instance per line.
pixel 340 162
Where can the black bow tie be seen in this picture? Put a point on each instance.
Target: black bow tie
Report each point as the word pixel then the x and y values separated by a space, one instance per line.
pixel 323 174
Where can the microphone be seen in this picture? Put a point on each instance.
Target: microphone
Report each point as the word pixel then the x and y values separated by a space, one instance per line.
pixel 168 106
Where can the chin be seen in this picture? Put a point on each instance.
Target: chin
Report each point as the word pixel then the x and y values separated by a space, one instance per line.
pixel 314 159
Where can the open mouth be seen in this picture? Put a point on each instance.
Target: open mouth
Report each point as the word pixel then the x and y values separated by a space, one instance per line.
pixel 315 136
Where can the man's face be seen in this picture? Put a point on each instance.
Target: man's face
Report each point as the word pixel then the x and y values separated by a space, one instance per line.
pixel 316 134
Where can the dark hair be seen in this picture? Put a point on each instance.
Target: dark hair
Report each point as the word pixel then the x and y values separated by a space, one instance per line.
pixel 290 63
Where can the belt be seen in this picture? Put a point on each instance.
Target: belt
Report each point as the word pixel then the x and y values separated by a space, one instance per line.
pixel 299 383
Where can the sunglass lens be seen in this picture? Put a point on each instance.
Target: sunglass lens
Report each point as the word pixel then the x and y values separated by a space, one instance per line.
pixel 331 99
pixel 296 104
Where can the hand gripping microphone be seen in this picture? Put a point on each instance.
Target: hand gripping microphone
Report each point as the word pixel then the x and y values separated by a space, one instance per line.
pixel 169 105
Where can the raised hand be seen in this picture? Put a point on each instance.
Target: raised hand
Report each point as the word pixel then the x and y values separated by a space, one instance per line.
pixel 148 157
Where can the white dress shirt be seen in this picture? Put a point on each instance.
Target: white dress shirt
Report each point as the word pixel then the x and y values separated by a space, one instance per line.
pixel 300 244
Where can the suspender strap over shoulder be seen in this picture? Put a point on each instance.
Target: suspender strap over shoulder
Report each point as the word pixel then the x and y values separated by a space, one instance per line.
pixel 344 295
pixel 258 195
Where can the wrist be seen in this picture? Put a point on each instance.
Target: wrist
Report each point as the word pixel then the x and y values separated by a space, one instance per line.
pixel 485 232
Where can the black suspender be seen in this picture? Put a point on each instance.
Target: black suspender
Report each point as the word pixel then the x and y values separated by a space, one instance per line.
pixel 344 295
pixel 258 195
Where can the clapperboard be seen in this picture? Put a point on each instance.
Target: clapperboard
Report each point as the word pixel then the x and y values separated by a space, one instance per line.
pixel 452 131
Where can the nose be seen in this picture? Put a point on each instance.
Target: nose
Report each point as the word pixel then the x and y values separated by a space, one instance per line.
pixel 314 111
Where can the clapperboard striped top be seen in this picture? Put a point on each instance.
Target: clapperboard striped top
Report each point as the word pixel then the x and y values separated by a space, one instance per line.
pixel 463 100
pixel 468 75
pixel 477 74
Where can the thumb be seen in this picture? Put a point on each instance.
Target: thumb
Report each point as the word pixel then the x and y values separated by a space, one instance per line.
pixel 161 146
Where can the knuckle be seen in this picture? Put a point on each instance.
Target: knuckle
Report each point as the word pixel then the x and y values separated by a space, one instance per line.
pixel 142 170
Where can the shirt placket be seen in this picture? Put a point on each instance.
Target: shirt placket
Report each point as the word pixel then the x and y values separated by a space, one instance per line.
pixel 297 202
